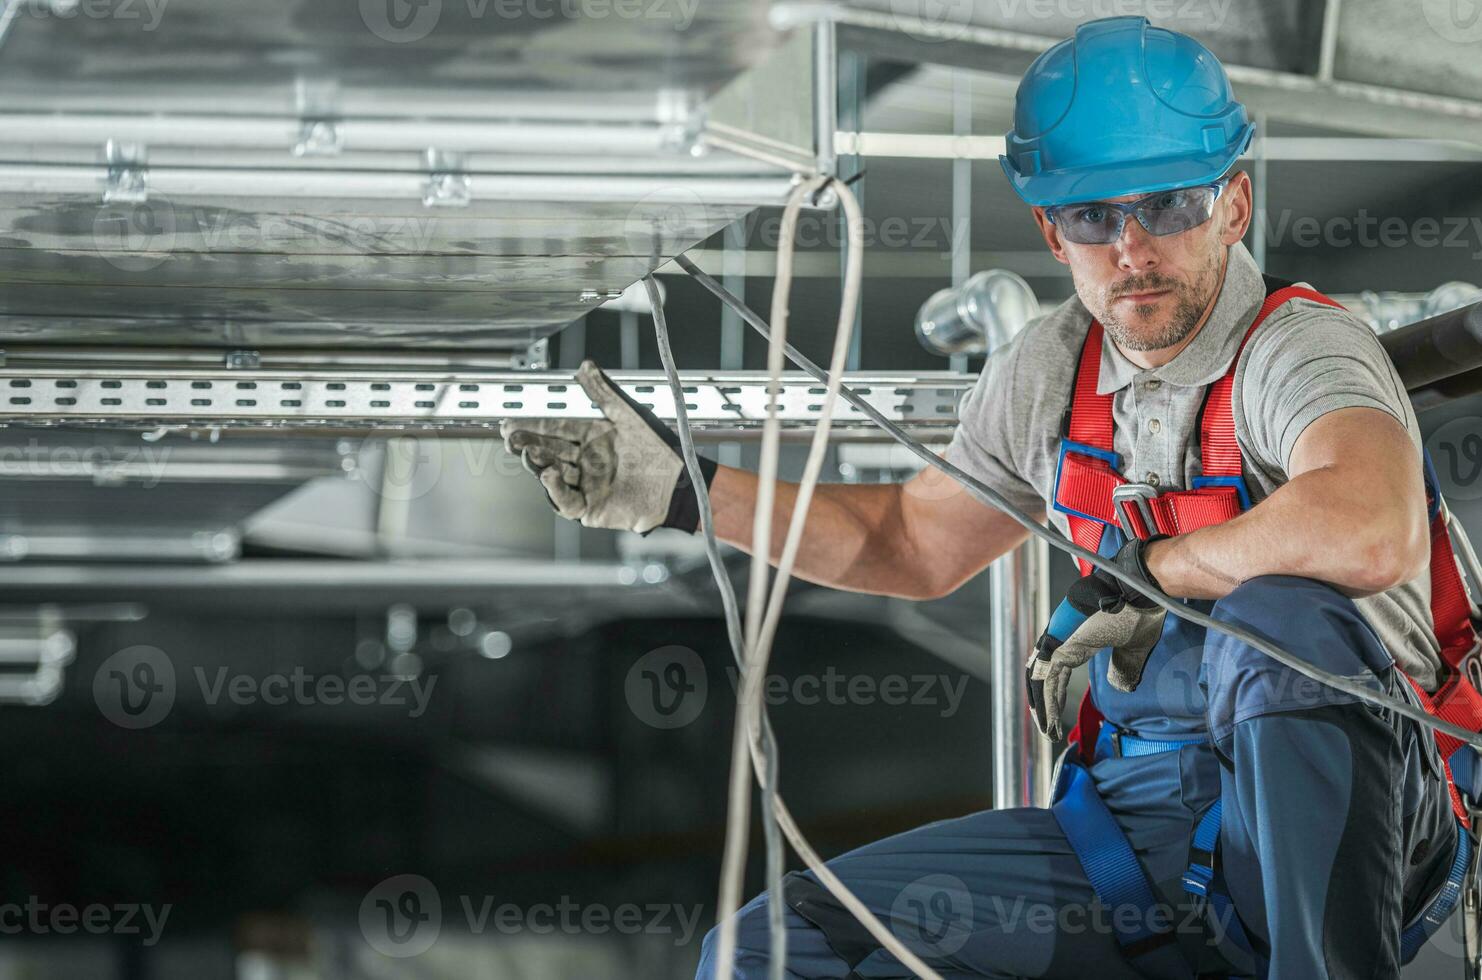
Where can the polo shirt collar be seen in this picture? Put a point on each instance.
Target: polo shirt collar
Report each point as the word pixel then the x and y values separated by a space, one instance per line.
pixel 1213 348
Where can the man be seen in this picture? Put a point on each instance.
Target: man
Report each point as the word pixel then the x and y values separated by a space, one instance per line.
pixel 1311 517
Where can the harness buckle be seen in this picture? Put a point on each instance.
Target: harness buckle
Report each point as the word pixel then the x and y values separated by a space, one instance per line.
pixel 1135 496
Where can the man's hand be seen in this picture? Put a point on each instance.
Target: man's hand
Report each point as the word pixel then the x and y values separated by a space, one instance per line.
pixel 623 472
pixel 1098 611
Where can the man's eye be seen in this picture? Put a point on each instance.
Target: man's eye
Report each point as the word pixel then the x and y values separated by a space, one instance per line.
pixel 1094 215
pixel 1173 199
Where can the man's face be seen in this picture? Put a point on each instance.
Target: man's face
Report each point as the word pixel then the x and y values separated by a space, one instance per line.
pixel 1150 292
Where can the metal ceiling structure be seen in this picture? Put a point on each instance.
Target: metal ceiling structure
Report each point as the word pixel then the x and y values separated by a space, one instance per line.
pixel 308 174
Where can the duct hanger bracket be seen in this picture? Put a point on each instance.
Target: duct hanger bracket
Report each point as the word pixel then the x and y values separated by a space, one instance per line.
pixel 448 184
pixel 127 181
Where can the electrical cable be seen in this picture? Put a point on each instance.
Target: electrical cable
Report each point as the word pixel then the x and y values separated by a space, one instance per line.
pixel 770 802
pixel 1058 540
pixel 751 717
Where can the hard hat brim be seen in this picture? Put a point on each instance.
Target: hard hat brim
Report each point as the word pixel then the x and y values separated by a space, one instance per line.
pixel 1052 188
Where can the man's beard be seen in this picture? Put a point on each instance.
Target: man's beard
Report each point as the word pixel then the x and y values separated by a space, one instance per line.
pixel 1192 300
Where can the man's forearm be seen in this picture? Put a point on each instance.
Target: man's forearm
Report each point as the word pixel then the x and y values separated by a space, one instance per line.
pixel 1321 525
pixel 854 538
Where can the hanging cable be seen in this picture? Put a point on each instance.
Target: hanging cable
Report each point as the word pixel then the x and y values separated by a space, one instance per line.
pixel 770 802
pixel 751 719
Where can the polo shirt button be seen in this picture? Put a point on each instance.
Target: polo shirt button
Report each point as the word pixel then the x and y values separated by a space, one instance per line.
pixel 1154 425
pixel 1152 384
pixel 1151 479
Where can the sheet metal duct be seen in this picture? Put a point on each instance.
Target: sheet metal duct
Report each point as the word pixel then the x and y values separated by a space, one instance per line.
pixel 357 173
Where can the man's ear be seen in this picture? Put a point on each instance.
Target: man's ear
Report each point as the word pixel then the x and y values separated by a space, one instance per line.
pixel 1051 235
pixel 1238 209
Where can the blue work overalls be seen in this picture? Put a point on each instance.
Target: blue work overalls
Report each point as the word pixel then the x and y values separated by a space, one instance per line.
pixel 1337 827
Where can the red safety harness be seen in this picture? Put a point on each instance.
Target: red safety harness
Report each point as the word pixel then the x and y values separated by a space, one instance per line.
pixel 1092 494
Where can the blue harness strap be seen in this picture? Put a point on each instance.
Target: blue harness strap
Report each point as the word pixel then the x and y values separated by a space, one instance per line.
pixel 1109 862
pixel 1441 907
pixel 1199 880
pixel 1112 867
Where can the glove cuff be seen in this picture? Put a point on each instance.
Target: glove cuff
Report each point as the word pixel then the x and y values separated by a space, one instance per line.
pixel 1136 559
pixel 684 506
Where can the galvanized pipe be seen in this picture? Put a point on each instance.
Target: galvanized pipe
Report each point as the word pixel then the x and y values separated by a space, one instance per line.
pixel 1013 621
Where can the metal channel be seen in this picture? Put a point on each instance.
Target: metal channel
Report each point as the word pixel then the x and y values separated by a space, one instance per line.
pixel 73 394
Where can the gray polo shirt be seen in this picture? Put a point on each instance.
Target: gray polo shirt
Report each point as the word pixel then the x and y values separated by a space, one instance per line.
pixel 1306 360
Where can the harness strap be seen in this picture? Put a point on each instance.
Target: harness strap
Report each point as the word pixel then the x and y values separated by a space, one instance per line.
pixel 1440 908
pixel 1088 468
pixel 1451 608
pixel 1110 864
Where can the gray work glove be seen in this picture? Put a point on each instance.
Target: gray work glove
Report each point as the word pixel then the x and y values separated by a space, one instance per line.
pixel 1097 612
pixel 623 472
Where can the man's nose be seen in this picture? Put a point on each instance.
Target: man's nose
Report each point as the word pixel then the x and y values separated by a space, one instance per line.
pixel 1135 249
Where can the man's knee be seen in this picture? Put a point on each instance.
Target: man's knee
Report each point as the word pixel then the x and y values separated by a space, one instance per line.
pixel 1310 620
pixel 1268 604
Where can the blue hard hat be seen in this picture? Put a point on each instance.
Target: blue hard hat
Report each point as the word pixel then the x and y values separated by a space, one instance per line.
pixel 1122 108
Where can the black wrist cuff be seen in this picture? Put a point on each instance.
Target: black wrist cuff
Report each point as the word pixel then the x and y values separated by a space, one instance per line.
pixel 1139 554
pixel 684 506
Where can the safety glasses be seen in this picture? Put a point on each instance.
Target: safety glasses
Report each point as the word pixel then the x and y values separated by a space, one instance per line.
pixel 1163 213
